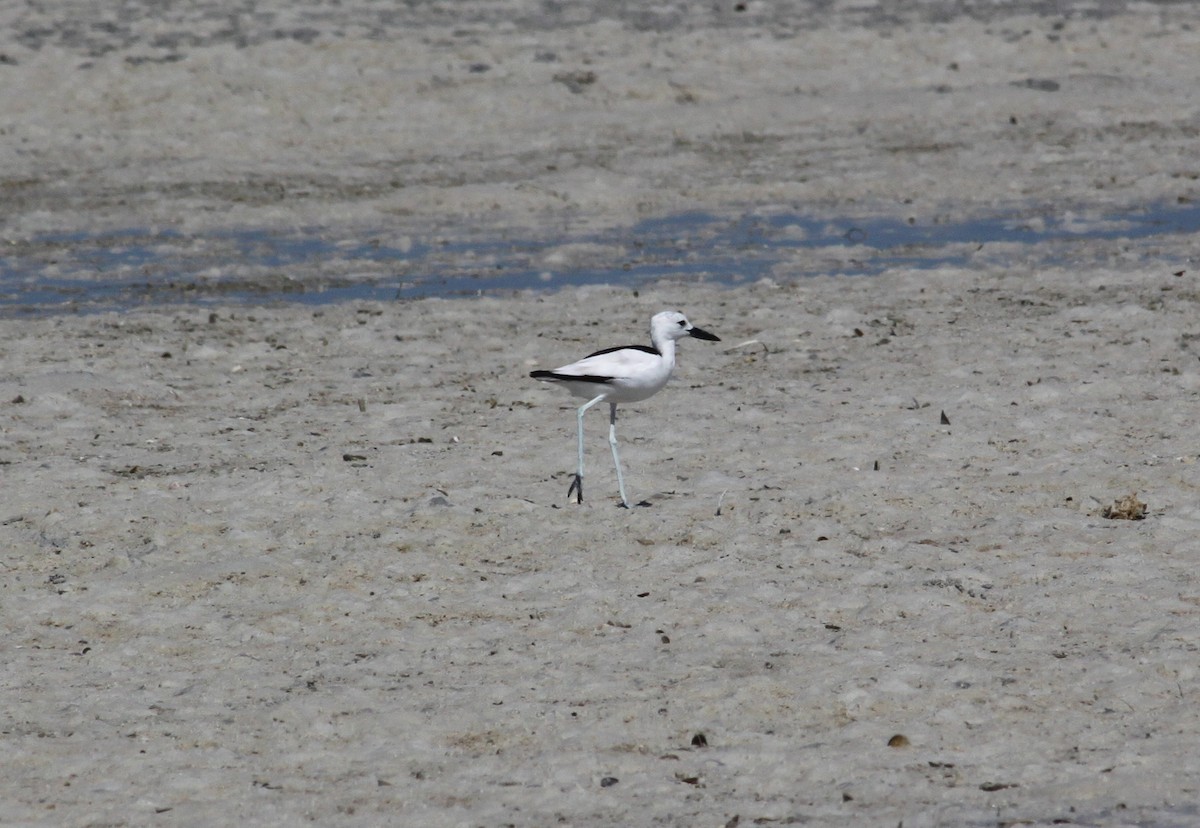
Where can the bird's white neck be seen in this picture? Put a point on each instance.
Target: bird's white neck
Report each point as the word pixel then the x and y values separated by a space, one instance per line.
pixel 666 347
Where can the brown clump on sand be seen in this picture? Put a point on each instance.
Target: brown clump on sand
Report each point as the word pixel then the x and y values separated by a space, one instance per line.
pixel 1125 508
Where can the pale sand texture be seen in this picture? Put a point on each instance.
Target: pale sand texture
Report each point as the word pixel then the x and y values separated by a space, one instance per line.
pixel 291 565
pixel 387 120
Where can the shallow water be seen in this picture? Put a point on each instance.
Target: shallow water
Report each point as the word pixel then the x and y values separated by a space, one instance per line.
pixel 84 272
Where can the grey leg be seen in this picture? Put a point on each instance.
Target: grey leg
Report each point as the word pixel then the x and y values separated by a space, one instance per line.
pixel 577 484
pixel 612 442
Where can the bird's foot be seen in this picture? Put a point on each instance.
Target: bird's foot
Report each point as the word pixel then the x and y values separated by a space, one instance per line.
pixel 576 488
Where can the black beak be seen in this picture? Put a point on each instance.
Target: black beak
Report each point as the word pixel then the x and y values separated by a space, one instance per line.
pixel 699 334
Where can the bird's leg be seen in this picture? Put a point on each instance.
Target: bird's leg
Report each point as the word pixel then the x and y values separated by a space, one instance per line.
pixel 577 484
pixel 612 441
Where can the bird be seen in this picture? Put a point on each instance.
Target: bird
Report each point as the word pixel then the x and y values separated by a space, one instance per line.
pixel 624 374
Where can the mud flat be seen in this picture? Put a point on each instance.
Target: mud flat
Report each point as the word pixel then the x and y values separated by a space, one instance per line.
pixel 920 546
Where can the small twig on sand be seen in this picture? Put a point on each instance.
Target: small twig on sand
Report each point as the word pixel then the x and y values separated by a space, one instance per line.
pixel 732 348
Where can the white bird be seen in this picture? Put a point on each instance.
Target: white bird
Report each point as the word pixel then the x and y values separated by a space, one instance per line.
pixel 630 373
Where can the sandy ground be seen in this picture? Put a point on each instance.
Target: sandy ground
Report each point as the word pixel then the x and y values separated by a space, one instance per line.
pixel 284 565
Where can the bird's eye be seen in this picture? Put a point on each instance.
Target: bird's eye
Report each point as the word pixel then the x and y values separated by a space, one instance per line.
pixel 682 323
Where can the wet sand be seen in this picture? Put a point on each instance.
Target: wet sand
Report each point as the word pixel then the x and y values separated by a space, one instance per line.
pixel 273 564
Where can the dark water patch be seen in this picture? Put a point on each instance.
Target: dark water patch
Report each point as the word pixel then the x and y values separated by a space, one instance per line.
pixel 81 272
